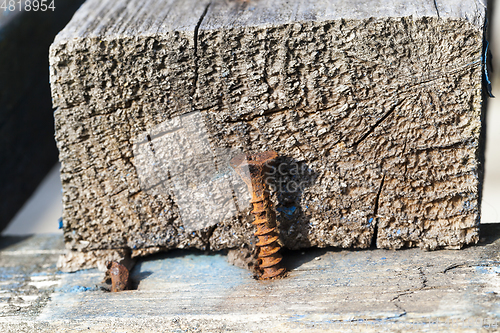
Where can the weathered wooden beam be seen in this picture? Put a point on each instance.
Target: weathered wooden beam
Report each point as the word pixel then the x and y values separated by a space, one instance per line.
pixel 375 109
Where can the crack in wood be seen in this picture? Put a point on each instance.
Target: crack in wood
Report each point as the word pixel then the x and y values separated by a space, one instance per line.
pixel 372 128
pixel 375 213
pixel 255 116
pixel 210 232
pixel 397 304
pixel 402 156
pixel 437 9
pixel 453 266
pixel 196 57
pixel 423 277
pixel 297 144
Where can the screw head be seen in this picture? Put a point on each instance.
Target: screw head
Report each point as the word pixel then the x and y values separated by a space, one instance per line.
pixel 253 159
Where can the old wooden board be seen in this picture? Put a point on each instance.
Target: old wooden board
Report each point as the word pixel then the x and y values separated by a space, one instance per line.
pixel 326 290
pixel 375 109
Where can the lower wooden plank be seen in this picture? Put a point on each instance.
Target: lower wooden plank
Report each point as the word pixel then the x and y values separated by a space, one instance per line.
pixel 326 290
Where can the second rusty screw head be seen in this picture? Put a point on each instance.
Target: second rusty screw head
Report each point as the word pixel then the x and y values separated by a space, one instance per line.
pixel 119 276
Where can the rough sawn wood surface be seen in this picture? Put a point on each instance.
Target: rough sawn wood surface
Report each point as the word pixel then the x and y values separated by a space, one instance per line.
pixel 378 104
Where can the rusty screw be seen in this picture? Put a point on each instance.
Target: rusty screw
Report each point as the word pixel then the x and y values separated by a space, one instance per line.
pixel 119 276
pixel 252 169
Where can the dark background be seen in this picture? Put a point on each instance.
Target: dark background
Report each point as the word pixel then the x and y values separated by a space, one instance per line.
pixel 27 147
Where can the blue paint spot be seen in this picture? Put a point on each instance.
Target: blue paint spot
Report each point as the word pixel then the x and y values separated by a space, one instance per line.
pixel 398 232
pixel 296 317
pixel 370 220
pixel 481 270
pixel 383 258
pixel 60 221
pixel 484 60
pixel 287 210
pixel 79 289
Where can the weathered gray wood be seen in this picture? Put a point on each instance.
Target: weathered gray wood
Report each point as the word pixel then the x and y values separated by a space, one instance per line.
pixel 379 102
pixel 326 291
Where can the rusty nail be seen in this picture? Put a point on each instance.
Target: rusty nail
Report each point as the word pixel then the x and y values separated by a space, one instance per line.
pixel 252 169
pixel 119 276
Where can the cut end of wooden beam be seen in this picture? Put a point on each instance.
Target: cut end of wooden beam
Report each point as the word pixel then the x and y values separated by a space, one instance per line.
pixel 375 111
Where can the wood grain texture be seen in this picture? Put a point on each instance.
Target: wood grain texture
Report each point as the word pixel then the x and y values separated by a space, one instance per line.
pixel 379 104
